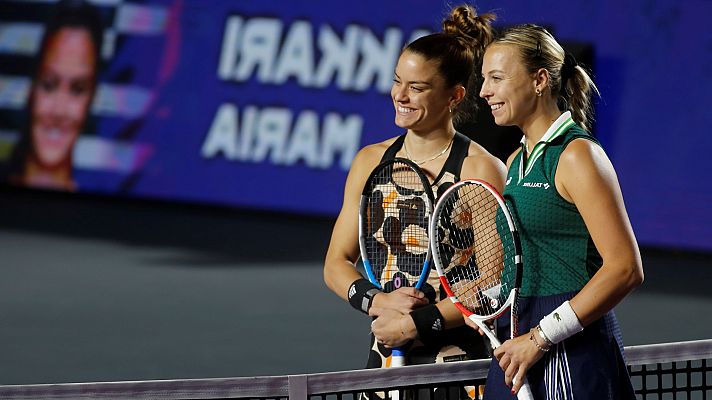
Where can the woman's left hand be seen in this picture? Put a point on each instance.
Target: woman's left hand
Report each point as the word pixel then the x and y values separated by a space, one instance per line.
pixel 392 328
pixel 515 357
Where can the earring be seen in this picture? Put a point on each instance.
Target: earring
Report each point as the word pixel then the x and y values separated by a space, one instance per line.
pixel 450 109
pixel 538 93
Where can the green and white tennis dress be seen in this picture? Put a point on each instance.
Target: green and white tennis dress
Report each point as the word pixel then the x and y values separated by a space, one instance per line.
pixel 559 259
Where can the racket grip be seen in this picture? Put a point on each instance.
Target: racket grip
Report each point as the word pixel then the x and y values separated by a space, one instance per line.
pixel 397 358
pixel 525 392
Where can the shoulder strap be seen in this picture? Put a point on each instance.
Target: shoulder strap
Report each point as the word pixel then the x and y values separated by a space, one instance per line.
pixel 460 149
pixel 551 158
pixel 393 148
pixel 576 132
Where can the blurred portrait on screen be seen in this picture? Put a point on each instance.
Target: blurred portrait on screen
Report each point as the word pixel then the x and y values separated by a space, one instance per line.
pixel 63 85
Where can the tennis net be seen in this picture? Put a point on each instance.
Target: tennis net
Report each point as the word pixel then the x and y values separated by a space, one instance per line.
pixel 659 371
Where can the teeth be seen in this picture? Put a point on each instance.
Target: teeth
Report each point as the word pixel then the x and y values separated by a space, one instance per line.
pixel 404 110
pixel 495 106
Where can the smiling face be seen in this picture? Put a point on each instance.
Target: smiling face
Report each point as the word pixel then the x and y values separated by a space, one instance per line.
pixel 61 96
pixel 419 95
pixel 508 88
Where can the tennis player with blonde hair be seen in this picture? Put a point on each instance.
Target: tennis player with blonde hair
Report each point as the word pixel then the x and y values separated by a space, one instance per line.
pixel 580 254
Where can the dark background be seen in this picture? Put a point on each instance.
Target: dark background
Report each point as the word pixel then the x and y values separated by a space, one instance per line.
pixel 103 288
pixel 652 61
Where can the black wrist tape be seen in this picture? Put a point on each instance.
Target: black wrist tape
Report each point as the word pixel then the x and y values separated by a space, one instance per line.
pixel 361 294
pixel 428 322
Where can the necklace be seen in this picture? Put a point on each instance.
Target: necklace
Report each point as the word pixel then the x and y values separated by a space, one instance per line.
pixel 421 162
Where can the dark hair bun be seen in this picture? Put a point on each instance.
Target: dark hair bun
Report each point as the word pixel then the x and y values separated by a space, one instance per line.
pixel 474 30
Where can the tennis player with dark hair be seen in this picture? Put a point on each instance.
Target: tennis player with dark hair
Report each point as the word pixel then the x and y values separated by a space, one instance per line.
pixel 63 87
pixel 436 80
pixel 579 251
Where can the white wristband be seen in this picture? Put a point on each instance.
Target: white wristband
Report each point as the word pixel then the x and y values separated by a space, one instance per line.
pixel 562 323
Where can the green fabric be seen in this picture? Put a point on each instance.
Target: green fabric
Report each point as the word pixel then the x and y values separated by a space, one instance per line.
pixel 559 255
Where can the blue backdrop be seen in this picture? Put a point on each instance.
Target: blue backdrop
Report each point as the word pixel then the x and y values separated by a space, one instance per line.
pixel 223 102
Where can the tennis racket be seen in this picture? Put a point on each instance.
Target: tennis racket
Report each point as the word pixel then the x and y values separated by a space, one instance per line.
pixel 394 215
pixel 478 256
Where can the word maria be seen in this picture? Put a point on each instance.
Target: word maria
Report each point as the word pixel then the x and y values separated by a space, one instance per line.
pixel 356 60
pixel 275 133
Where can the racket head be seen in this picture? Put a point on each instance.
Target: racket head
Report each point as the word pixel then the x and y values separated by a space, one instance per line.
pixel 394 216
pixel 476 249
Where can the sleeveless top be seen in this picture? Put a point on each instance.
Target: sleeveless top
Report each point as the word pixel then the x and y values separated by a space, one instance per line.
pixel 559 259
pixel 559 254
pixel 456 344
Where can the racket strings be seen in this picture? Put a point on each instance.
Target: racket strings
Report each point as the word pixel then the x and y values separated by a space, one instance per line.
pixel 398 213
pixel 472 228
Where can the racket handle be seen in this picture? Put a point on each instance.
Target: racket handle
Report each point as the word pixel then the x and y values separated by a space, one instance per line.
pixel 397 358
pixel 525 392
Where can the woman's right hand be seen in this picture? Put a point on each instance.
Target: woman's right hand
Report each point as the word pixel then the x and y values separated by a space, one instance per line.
pixel 403 300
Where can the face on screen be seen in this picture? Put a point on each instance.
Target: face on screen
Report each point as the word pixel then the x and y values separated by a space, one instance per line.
pixel 419 95
pixel 61 96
